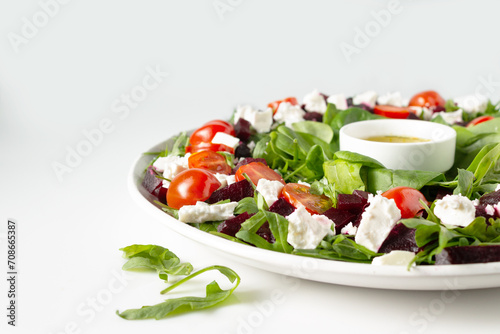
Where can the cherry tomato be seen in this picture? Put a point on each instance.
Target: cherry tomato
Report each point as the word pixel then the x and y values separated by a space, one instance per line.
pixel 407 200
pixel 209 147
pixel 274 105
pixel 480 119
pixel 209 160
pixel 207 131
pixel 257 171
pixel 298 195
pixel 190 186
pixel 392 111
pixel 427 99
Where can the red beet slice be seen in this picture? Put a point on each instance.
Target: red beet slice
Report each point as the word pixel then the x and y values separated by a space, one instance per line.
pixel 233 225
pixel 282 207
pixel 265 232
pixel 151 182
pixel 481 212
pixel 313 116
pixel 341 218
pixel 400 238
pixel 243 130
pixel 234 192
pixel 491 198
pixel 353 203
pixel 468 254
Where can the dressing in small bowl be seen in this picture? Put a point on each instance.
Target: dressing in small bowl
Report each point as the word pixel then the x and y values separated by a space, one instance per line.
pixel 425 145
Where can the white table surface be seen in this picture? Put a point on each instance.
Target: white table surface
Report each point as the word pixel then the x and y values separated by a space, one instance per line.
pixel 68 76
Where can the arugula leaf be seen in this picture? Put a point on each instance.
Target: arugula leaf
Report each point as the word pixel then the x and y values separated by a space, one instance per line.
pixel 156 258
pixel 214 295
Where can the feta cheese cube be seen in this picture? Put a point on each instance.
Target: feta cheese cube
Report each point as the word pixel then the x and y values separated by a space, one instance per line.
pixel 225 179
pixel 288 113
pixel 305 231
pixel 451 117
pixel 314 101
pixel 202 212
pixel 170 166
pixel 423 112
pixel 338 100
pixel 270 190
pixel 368 98
pixel 349 229
pixel 394 258
pixel 225 139
pixel 260 120
pixel 455 210
pixel 472 103
pixel 377 221
pixel 391 99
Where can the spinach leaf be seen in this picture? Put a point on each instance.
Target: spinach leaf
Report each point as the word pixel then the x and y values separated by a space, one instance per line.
pixel 214 295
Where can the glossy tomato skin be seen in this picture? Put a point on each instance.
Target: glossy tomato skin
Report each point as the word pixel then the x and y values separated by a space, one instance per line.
pixel 207 131
pixel 275 105
pixel 209 160
pixel 299 195
pixel 391 111
pixel 427 99
pixel 479 120
pixel 190 186
pixel 407 200
pixel 209 147
pixel 257 171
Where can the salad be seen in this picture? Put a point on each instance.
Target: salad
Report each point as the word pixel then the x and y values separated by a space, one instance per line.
pixel 276 179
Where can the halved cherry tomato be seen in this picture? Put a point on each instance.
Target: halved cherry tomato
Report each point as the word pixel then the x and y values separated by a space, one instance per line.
pixel 407 200
pixel 299 195
pixel 209 160
pixel 257 171
pixel 427 99
pixel 190 186
pixel 392 111
pixel 275 105
pixel 209 147
pixel 480 119
pixel 207 131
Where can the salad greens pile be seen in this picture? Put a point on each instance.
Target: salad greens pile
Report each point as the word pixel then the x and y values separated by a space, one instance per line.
pixel 308 151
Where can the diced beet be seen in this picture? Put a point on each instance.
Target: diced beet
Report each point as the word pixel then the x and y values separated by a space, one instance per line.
pixel 413 116
pixel 400 238
pixel 162 194
pixel 233 225
pixel 313 116
pixel 353 203
pixel 242 151
pixel 234 192
pixel 349 102
pixel 468 254
pixel 243 130
pixel 442 192
pixel 150 182
pixel 340 217
pixel 282 207
pixel 481 212
pixel 246 161
pixel 438 109
pixel 361 193
pixel 265 232
pixel 491 198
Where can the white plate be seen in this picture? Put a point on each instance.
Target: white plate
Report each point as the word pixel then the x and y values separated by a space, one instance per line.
pixel 445 277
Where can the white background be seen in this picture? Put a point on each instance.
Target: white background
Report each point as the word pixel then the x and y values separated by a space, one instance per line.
pixel 67 75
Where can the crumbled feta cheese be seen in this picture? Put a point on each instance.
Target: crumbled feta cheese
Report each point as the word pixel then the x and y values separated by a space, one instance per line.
pixel 270 190
pixel 305 231
pixel 170 166
pixel 423 112
pixel 377 221
pixel 225 179
pixel 450 117
pixel 251 145
pixel 456 210
pixel 472 103
pixel 339 100
pixel 490 210
pixel 394 258
pixel 391 99
pixel 314 101
pixel 349 229
pixel 225 139
pixel 202 212
pixel 288 113
pixel 260 120
pixel 368 98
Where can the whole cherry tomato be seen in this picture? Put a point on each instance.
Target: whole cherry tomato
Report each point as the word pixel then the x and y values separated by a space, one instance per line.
pixel 479 120
pixel 257 171
pixel 190 186
pixel 209 160
pixel 391 111
pixel 201 138
pixel 299 195
pixel 407 200
pixel 427 99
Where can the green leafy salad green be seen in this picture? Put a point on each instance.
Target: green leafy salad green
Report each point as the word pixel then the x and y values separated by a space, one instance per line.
pixel 305 154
